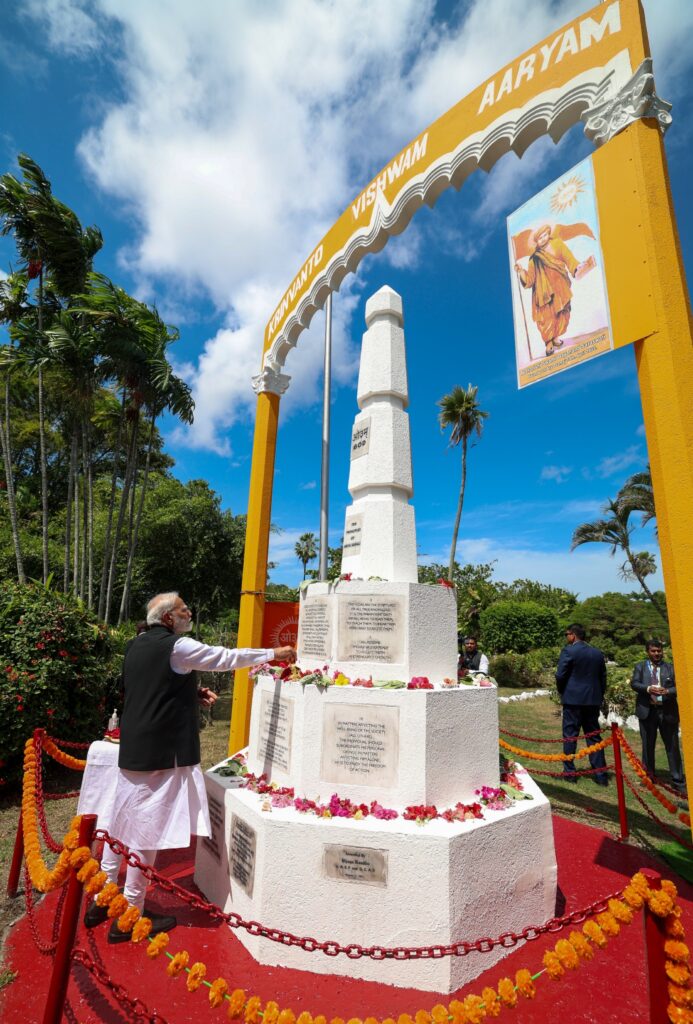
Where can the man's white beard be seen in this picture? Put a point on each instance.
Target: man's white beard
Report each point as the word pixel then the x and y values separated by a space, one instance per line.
pixel 182 626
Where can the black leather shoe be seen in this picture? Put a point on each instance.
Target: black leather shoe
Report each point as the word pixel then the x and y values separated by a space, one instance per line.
pixel 160 923
pixel 95 915
pixel 600 782
pixel 569 778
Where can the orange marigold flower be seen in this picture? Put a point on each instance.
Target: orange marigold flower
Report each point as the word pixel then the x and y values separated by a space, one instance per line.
pixel 608 923
pixel 660 903
pixel 680 995
pixel 506 992
pixel 96 883
pixel 678 973
pixel 621 911
pixel 195 976
pixel 456 1011
pixel 71 840
pixel 640 883
pixel 581 946
pixel 286 1017
pixel 554 967
pixel 108 893
pixel 594 933
pixel 80 856
pixel 157 944
pixel 320 1019
pixel 633 898
pixel 304 1018
pixel 669 888
pixel 127 920
pixel 677 950
pixel 236 1003
pixel 420 1017
pixel 403 1018
pixel 567 955
pixel 337 1020
pixel 178 964
pixel 141 930
pixel 474 1008
pixel 217 991
pixel 270 1012
pixel 252 1010
pixel 439 1014
pixel 492 1003
pixel 678 1014
pixel 117 906
pixel 88 870
pixel 524 983
pixel 673 927
pixel 354 1020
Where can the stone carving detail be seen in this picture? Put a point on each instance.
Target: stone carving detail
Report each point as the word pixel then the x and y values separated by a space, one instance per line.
pixel 270 380
pixel 636 99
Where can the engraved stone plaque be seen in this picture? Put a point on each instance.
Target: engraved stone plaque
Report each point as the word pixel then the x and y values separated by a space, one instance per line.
pixel 216 819
pixel 276 725
pixel 242 853
pixel 371 629
pixel 315 629
pixel 356 864
pixel 360 745
pixel 352 534
pixel 360 438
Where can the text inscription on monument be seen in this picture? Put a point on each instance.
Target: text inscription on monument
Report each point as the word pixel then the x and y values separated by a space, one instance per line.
pixel 315 629
pixel 216 819
pixel 242 853
pixel 352 535
pixel 276 724
pixel 371 629
pixel 360 745
pixel 356 864
pixel 361 438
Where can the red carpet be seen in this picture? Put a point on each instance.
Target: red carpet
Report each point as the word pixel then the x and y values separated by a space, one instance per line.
pixel 591 864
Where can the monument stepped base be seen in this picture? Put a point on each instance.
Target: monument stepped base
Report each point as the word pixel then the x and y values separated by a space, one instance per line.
pixel 389 883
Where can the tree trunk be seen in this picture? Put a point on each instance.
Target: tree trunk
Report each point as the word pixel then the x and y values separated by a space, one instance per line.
pixel 85 520
pixel 42 441
pixel 125 493
pixel 89 507
pixel 133 542
pixel 75 540
pixel 68 510
pixel 105 561
pixel 9 481
pixel 460 503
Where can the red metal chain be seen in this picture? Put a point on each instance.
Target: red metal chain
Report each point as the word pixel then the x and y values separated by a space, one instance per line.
pixel 49 948
pixel 132 1005
pixel 662 824
pixel 353 950
pixel 543 739
pixel 626 746
pixel 61 796
pixel 70 743
pixel 51 843
pixel 578 771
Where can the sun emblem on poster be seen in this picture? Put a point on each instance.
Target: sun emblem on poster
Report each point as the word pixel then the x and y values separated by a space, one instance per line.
pixel 567 193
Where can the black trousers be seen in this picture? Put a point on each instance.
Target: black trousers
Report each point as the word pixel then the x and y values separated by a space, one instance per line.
pixel 585 717
pixel 668 728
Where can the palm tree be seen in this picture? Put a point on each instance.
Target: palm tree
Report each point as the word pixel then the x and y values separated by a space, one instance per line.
pixel 637 495
pixel 306 549
pixel 616 531
pixel 13 301
pixel 460 411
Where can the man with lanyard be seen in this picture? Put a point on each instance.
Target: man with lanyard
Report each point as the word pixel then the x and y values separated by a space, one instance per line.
pixel 658 711
pixel 160 798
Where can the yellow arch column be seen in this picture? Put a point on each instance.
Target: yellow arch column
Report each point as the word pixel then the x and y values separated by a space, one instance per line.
pixel 269 386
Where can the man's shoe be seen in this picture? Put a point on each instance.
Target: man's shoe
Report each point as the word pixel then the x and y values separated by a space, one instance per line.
pixel 160 923
pixel 569 778
pixel 95 915
pixel 601 782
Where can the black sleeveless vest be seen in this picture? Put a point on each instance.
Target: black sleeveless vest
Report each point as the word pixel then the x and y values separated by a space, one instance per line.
pixel 471 661
pixel 159 727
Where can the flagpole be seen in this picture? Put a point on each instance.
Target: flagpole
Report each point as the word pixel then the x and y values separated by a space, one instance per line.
pixel 325 476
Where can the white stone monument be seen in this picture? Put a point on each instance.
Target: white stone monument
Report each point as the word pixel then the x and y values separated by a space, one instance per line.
pixel 373 881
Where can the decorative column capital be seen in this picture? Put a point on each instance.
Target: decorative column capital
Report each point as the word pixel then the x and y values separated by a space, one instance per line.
pixel 635 100
pixel 270 380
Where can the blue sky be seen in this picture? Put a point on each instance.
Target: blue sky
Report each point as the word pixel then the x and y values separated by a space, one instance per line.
pixel 214 144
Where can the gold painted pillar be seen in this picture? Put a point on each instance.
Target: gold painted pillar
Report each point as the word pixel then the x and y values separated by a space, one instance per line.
pixel 269 386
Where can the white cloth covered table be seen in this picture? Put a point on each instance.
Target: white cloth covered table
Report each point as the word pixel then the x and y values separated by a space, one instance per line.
pixel 99 783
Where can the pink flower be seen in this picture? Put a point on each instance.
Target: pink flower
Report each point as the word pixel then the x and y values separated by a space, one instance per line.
pixel 419 683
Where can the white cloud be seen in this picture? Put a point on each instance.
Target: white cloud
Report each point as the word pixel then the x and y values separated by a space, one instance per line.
pixel 558 473
pixel 237 135
pixel 310 486
pixel 610 465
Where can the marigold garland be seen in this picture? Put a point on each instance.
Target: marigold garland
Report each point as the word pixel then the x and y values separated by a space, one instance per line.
pixel 558 757
pixel 76 763
pixel 645 779
pixel 217 991
pixel 42 878
pixel 195 976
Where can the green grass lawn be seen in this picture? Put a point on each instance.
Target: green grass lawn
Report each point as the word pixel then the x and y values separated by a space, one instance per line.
pixel 585 802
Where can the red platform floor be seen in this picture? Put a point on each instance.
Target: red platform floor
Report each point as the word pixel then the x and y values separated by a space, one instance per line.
pixel 611 989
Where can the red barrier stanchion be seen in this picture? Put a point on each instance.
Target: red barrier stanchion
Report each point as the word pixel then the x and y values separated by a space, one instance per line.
pixel 620 789
pixel 17 857
pixel 657 988
pixel 66 940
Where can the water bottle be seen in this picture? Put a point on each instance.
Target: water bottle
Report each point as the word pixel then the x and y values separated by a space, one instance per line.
pixel 113 721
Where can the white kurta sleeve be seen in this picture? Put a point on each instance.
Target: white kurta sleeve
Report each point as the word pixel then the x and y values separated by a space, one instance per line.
pixel 188 655
pixel 483 664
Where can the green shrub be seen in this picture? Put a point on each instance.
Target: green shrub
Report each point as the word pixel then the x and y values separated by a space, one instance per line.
pixel 627 657
pixel 620 698
pixel 57 670
pixel 531 671
pixel 518 626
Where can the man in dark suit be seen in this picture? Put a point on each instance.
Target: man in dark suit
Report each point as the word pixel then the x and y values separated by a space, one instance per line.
pixel 658 711
pixel 581 682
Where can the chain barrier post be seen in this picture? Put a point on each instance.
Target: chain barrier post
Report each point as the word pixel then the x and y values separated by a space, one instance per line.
pixel 66 940
pixel 17 857
pixel 620 789
pixel 655 937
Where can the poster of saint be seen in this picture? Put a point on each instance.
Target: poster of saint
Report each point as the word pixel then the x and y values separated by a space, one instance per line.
pixel 560 302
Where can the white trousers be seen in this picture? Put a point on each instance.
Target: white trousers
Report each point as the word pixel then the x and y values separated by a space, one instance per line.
pixel 135 881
